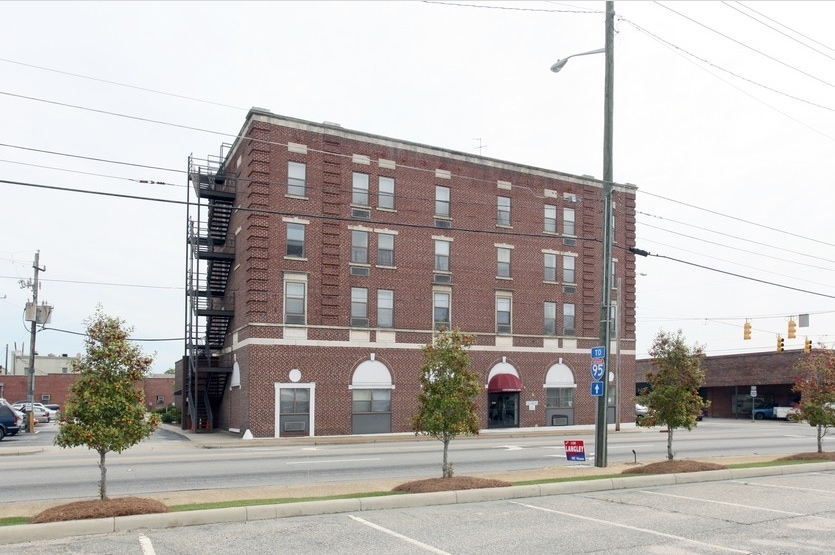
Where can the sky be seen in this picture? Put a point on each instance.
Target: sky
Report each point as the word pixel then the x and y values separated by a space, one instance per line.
pixel 724 118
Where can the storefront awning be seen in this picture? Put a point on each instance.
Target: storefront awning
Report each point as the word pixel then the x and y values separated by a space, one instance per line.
pixel 504 382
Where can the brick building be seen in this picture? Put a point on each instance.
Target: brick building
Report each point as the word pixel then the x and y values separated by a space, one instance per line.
pixel 55 388
pixel 322 259
pixel 728 381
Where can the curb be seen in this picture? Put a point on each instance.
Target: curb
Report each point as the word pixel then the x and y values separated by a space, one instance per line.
pixel 57 530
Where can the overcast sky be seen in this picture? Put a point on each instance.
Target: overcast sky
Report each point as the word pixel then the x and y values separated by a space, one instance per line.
pixel 724 118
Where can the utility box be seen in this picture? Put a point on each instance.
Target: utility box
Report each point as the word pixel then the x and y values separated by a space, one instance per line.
pixel 40 315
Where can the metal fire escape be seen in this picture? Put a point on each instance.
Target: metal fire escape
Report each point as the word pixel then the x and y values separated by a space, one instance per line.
pixel 210 304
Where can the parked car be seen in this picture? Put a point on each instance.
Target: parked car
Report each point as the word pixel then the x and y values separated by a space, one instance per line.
pixel 56 410
pixel 19 413
pixel 9 422
pixel 640 411
pixel 42 414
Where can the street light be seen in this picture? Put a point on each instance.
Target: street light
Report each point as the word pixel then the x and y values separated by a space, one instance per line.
pixel 559 64
pixel 601 425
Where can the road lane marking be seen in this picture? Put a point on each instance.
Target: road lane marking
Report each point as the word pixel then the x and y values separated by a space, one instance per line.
pixel 399 536
pixel 634 528
pixel 739 505
pixel 147 546
pixel 333 461
pixel 509 447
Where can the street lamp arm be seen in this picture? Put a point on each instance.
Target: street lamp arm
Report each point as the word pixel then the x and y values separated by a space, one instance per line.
pixel 559 64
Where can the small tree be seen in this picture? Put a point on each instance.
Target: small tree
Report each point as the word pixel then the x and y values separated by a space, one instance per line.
pixel 105 409
pixel 816 386
pixel 448 388
pixel 672 398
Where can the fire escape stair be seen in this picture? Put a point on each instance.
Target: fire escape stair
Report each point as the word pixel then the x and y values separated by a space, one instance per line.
pixel 210 299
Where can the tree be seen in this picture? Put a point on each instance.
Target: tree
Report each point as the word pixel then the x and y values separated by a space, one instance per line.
pixel 673 399
pixel 105 410
pixel 448 388
pixel 816 386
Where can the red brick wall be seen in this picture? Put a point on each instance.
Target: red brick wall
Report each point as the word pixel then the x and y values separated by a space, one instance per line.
pixel 57 386
pixel 260 263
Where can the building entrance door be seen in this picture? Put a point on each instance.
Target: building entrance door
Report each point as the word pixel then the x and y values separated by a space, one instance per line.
pixel 503 410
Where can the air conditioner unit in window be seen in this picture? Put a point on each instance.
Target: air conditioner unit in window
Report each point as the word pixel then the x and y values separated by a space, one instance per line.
pixel 569 241
pixel 446 224
pixel 569 289
pixel 359 271
pixel 360 213
pixel 294 426
pixel 441 278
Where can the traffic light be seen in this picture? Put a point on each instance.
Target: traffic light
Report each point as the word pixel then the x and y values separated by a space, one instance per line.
pixel 792 329
pixel 780 344
pixel 746 331
pixel 807 348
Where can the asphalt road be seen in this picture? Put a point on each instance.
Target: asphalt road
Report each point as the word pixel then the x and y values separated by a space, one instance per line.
pixel 165 463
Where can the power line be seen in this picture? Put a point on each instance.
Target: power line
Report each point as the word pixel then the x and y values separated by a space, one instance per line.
pixel 145 89
pixel 827 83
pixel 727 4
pixel 741 276
pixel 782 25
pixel 738 219
pixel 737 238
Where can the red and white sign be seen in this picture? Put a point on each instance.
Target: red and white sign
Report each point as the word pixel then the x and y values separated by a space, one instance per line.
pixel 575 450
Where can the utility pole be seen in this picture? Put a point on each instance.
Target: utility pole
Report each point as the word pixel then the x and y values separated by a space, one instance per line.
pixel 600 435
pixel 33 335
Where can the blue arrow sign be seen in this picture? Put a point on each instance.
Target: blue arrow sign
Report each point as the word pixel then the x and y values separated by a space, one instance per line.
pixel 598 369
pixel 598 352
pixel 596 389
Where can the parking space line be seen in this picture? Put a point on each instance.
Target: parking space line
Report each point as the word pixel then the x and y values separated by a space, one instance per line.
pixel 399 536
pixel 634 528
pixel 764 485
pixel 738 505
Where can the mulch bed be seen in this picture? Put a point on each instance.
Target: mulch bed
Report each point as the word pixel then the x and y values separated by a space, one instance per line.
pixel 449 484
pixel 82 510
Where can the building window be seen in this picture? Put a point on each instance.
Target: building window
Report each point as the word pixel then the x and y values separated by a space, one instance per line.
pixel 160 399
pixel 294 401
pixel 442 201
pixel 295 240
pixel 295 302
pixel 385 308
pixel 385 193
pixel 359 307
pixel 614 283
pixel 568 221
pixel 503 262
pixel 441 255
pixel 371 400
pixel 296 179
pixel 550 218
pixel 359 247
pixel 360 190
pixel 568 319
pixel 568 273
pixel 385 249
pixel 503 211
pixel 503 314
pixel 550 321
pixel 559 397
pixel 550 267
pixel 440 310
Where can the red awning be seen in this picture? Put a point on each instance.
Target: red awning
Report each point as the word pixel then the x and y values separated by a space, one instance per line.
pixel 504 382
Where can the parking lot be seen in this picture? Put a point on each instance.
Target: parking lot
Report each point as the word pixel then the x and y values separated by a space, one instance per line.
pixel 762 514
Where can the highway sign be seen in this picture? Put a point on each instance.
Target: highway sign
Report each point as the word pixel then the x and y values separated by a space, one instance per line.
pixel 598 352
pixel 598 369
pixel 753 391
pixel 596 389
